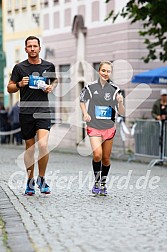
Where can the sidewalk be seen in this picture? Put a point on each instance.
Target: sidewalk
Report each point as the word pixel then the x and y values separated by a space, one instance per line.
pixel 14 228
pixel 132 218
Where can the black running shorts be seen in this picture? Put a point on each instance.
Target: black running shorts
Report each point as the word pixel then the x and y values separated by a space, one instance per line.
pixel 29 125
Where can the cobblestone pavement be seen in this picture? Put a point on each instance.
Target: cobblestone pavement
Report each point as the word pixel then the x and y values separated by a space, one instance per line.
pixel 131 218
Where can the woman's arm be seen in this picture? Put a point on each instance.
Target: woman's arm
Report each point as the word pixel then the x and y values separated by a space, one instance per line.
pixel 121 108
pixel 86 116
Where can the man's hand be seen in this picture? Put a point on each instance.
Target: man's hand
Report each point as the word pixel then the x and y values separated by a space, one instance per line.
pixel 49 89
pixel 24 81
pixel 162 117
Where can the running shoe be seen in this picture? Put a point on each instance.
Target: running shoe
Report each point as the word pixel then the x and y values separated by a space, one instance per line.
pixel 44 188
pixel 30 187
pixel 103 189
pixel 96 188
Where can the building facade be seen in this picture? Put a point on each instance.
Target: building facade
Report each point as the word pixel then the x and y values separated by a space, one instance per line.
pixel 76 38
pixel 20 19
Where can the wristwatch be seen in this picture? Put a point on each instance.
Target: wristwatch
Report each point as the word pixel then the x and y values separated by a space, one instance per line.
pixel 17 85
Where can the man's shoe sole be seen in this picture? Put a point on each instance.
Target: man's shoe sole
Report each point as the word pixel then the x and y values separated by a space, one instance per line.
pixel 29 194
pixel 46 192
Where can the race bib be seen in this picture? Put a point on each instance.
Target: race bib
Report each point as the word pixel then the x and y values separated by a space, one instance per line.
pixel 37 82
pixel 103 112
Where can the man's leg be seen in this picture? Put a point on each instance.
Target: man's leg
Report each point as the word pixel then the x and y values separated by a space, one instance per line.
pixel 43 158
pixel 29 157
pixel 29 163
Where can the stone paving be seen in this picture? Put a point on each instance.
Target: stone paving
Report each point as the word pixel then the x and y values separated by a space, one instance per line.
pixel 131 218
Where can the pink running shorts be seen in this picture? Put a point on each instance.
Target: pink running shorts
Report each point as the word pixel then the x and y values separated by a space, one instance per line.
pixel 105 134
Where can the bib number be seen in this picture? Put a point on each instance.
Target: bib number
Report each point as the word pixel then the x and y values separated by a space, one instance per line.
pixel 103 112
pixel 36 82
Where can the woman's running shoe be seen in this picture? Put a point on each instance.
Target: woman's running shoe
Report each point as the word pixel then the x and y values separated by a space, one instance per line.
pixel 96 188
pixel 103 189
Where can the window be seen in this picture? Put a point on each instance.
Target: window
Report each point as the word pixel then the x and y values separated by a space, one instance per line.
pixel 9 5
pixel 46 22
pixel 81 11
pixel 33 3
pixel 55 2
pixel 96 68
pixel 16 5
pixel 65 95
pixel 56 20
pixel 67 17
pixel 95 11
pixel 24 4
pixel 17 55
pixel 44 3
pixel 109 6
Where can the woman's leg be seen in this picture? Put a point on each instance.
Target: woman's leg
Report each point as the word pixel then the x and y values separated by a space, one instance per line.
pixel 106 153
pixel 96 162
pixel 106 149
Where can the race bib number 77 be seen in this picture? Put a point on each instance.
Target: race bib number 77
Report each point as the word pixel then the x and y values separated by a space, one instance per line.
pixel 103 112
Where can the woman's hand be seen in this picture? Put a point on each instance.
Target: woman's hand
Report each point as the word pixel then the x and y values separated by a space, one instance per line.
pixel 119 98
pixel 121 109
pixel 87 117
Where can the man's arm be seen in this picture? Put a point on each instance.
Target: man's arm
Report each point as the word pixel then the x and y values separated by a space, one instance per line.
pixel 155 112
pixel 54 83
pixel 13 86
pixel 51 86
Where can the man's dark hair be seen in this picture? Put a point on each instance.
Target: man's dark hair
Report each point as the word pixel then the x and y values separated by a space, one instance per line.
pixel 31 38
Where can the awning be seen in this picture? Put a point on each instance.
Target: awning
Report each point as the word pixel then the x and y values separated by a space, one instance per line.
pixel 154 76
